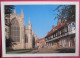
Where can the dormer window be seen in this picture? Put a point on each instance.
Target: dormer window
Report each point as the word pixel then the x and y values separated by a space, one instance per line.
pixel 69 27
pixel 73 26
pixel 52 36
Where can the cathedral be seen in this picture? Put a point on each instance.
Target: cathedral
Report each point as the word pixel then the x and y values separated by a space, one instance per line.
pixel 22 37
pixel 30 37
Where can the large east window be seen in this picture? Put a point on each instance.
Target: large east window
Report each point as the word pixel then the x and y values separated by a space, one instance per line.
pixel 15 30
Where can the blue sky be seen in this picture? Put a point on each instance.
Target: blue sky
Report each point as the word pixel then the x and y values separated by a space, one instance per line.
pixel 41 17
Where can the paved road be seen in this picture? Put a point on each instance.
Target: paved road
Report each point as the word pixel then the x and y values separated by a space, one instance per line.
pixel 46 50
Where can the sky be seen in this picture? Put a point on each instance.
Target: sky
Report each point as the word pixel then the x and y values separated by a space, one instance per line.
pixel 41 17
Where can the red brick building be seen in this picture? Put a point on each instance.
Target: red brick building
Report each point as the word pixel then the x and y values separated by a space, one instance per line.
pixel 62 35
pixel 41 43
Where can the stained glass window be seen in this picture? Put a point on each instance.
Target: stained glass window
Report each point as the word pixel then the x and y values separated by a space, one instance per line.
pixel 15 31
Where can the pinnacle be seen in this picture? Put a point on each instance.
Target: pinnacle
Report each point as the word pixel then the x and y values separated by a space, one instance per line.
pixel 29 20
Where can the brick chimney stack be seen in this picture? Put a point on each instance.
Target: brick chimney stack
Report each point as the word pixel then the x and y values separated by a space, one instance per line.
pixel 53 27
pixel 58 23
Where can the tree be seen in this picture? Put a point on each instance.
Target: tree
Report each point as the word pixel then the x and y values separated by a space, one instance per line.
pixel 66 12
pixel 8 11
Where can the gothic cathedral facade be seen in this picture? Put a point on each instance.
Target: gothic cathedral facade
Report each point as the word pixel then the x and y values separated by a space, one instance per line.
pixel 22 37
pixel 28 36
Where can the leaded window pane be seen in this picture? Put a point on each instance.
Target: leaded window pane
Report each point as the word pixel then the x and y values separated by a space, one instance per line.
pixel 15 31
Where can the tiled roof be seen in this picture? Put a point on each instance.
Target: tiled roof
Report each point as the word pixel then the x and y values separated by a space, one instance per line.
pixel 42 38
pixel 59 25
pixel 50 32
pixel 39 40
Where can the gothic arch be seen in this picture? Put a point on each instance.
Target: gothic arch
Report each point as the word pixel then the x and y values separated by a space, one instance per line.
pixel 15 30
pixel 26 39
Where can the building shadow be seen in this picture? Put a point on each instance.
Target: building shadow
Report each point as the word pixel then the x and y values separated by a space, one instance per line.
pixel 66 50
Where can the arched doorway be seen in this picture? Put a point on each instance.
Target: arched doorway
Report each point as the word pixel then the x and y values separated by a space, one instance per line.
pixel 15 30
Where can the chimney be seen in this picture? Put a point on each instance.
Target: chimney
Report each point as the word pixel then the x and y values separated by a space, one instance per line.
pixel 48 33
pixel 53 27
pixel 58 23
pixel 63 21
